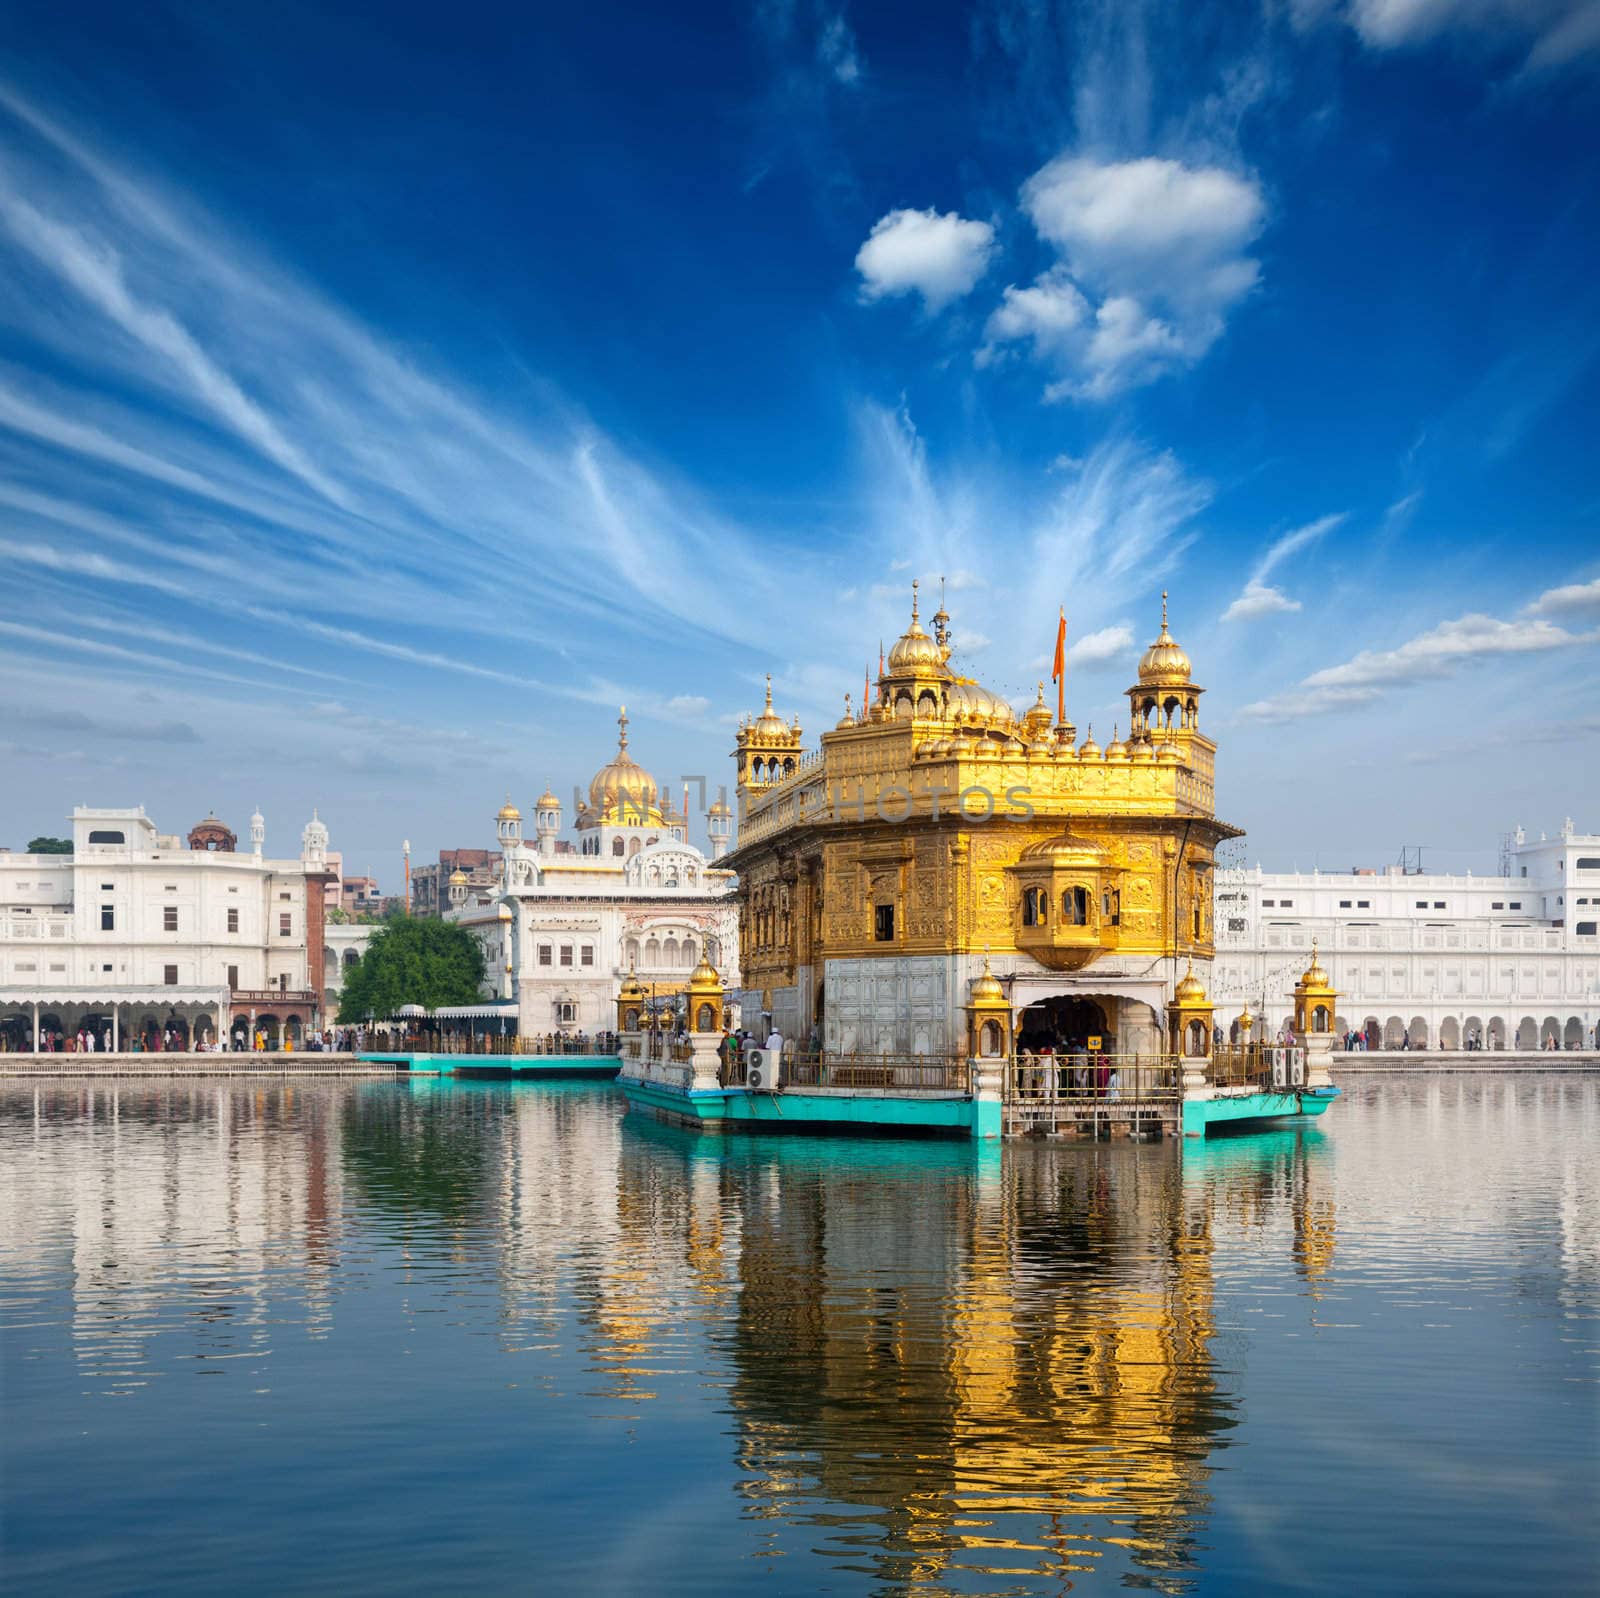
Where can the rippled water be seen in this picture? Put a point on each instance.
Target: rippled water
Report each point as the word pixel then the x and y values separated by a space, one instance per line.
pixel 399 1338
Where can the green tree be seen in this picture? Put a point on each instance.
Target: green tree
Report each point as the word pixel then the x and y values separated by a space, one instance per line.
pixel 50 846
pixel 424 962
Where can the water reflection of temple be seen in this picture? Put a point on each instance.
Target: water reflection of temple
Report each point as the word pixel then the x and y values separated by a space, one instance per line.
pixel 942 1366
pixel 176 1206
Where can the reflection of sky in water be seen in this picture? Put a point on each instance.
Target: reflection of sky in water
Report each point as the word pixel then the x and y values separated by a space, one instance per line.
pixel 507 1330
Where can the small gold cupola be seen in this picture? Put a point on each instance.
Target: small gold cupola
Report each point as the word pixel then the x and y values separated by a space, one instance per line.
pixel 1165 702
pixel 766 749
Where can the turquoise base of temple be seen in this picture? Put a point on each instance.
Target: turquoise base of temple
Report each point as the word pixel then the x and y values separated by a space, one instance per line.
pixel 548 1067
pixel 1246 1112
pixel 796 1110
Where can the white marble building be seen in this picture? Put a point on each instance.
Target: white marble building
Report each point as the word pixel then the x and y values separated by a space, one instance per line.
pixel 138 931
pixel 568 919
pixel 1511 959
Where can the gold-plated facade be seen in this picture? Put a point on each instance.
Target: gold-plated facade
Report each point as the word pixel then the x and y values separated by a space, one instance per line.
pixel 937 822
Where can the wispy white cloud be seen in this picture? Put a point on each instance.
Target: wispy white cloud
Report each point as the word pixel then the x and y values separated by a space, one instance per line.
pixel 1152 259
pixel 1568 599
pixel 1439 652
pixel 1553 33
pixel 921 252
pixel 1101 647
pixel 1259 598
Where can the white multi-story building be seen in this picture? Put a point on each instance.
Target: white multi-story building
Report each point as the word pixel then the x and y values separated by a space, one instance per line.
pixel 567 920
pixel 139 933
pixel 1506 961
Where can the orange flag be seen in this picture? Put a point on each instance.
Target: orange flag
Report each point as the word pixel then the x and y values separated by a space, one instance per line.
pixel 1058 668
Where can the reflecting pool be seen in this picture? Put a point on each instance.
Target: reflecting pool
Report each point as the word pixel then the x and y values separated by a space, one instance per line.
pixel 431 1337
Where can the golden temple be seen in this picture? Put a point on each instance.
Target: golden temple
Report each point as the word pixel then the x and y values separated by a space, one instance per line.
pixel 936 825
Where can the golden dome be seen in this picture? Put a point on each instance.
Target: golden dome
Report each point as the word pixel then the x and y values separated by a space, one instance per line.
pixel 1164 664
pixel 1314 976
pixel 547 800
pixel 914 651
pixel 508 811
pixel 624 790
pixel 632 988
pixel 848 719
pixel 1141 749
pixel 1036 720
pixel 1066 848
pixel 458 878
pixel 704 978
pixel 1191 990
pixel 986 989
pixel 720 808
pixel 1169 755
pixel 1116 749
pixel 769 726
pixel 966 700
pixel 1089 749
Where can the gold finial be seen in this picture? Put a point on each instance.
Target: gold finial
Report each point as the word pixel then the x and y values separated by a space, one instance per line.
pixel 1163 610
pixel 622 727
pixel 913 599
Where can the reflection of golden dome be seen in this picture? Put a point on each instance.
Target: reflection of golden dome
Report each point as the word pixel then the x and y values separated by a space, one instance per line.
pixel 986 989
pixel 508 811
pixel 1164 663
pixel 1314 976
pixel 1191 990
pixel 1065 849
pixel 914 651
pixel 547 800
pixel 623 790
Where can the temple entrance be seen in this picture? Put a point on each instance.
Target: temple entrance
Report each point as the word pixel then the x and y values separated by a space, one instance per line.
pixel 1063 1021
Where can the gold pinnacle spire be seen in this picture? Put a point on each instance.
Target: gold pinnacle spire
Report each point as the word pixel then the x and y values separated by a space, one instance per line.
pixel 913 601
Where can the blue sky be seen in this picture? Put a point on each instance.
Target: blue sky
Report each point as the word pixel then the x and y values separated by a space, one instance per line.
pixel 385 395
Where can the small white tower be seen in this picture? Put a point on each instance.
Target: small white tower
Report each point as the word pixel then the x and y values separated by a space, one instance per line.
pixel 258 832
pixel 719 827
pixel 508 823
pixel 547 821
pixel 458 888
pixel 314 844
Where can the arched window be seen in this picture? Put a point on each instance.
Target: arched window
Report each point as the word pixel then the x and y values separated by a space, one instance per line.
pixel 1075 907
pixel 705 1019
pixel 1035 907
pixel 617 846
pixel 688 952
pixel 633 846
pixel 670 952
pixel 107 837
pixel 989 1039
pixel 652 954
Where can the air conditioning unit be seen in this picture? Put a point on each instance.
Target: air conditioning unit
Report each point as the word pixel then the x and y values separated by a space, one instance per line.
pixel 1297 1067
pixel 760 1070
pixel 1280 1068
